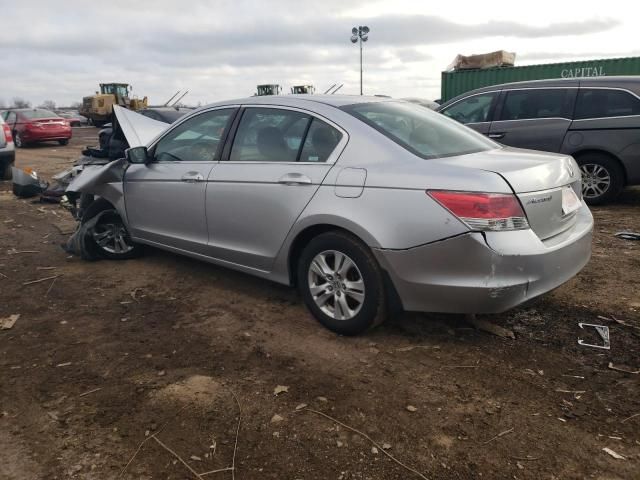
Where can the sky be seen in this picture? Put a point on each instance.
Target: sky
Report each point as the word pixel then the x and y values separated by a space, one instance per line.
pixel 61 50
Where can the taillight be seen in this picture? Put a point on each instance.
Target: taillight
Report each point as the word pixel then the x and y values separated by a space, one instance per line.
pixel 483 211
pixel 7 133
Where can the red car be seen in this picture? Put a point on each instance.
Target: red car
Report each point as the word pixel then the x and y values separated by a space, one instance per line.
pixel 30 125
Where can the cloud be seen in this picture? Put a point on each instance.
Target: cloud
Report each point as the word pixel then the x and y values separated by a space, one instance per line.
pixel 223 48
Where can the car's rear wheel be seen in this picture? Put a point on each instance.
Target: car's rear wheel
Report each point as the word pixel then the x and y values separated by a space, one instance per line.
pixel 64 141
pixel 602 178
pixel 17 139
pixel 341 283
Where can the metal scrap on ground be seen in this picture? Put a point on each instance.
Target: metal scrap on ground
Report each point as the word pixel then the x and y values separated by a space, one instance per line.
pixel 8 322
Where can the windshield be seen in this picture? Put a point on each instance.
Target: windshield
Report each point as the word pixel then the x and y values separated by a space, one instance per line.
pixel 423 132
pixel 31 114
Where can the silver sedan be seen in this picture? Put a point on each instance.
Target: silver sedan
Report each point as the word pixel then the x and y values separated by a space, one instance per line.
pixel 362 203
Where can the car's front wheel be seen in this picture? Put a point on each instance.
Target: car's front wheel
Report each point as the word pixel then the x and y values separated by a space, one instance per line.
pixel 602 178
pixel 5 171
pixel 106 235
pixel 341 283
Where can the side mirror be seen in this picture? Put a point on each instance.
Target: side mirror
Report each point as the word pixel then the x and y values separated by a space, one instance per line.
pixel 138 155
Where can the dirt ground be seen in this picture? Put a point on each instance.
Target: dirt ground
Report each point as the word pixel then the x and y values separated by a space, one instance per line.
pixel 114 358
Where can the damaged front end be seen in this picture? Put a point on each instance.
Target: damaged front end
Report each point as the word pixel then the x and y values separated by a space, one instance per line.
pixel 95 193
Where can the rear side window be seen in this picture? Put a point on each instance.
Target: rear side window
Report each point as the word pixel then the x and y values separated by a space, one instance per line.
pixel 598 103
pixel 321 141
pixel 33 114
pixel 421 131
pixel 474 109
pixel 538 103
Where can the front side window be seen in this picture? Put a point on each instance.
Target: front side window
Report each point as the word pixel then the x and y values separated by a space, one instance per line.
pixel 599 103
pixel 538 103
pixel 421 131
pixel 269 135
pixel 474 109
pixel 196 140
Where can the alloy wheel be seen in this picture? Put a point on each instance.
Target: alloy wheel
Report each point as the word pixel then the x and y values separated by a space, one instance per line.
pixel 112 238
pixel 336 284
pixel 596 180
pixel 18 140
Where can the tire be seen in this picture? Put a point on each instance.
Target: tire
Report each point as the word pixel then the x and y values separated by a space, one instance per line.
pixel 5 172
pixel 602 178
pixel 17 140
pixel 64 141
pixel 346 311
pixel 109 227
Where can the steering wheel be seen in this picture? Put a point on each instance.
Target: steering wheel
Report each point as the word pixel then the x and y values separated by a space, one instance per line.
pixel 201 151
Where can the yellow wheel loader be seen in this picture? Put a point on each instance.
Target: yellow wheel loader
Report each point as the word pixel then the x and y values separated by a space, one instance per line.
pixel 99 107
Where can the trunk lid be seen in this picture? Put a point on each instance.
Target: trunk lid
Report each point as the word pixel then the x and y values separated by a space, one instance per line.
pixel 546 184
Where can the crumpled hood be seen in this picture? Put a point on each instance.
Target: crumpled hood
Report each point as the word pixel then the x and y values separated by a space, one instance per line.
pixel 138 129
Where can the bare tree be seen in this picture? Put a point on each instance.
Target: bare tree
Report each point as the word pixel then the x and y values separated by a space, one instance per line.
pixel 48 105
pixel 21 103
pixel 76 105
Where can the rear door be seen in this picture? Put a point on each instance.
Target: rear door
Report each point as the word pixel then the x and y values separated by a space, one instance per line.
pixel 278 159
pixel 534 118
pixel 474 111
pixel 165 200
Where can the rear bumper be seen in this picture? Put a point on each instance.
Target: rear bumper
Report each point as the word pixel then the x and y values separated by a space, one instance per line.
pixel 53 134
pixel 487 273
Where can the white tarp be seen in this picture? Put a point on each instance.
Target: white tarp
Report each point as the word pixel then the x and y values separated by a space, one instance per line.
pixel 138 129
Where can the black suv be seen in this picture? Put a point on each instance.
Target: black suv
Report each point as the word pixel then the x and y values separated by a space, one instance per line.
pixel 597 120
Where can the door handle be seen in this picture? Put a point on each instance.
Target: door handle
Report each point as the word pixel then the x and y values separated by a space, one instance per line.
pixel 295 179
pixel 496 135
pixel 192 177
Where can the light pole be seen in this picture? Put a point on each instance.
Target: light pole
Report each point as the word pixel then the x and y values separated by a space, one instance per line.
pixel 360 34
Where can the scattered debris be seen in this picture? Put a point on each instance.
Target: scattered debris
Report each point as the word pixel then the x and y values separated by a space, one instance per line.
pixel 280 389
pixel 13 251
pixel 574 392
pixel 413 347
pixel 31 282
pixel 195 458
pixel 613 454
pixel 161 373
pixel 628 235
pixel 277 418
pixel 65 364
pixel 374 450
pixel 322 399
pixel 8 322
pixel 26 183
pixel 411 408
pixel 50 286
pixel 501 434
pixel 90 392
pixel 622 369
pixel 301 406
pixel 384 447
pixel 602 330
pixel 632 416
pixel 489 327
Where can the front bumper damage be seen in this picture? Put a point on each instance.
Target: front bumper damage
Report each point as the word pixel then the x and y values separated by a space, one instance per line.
pixel 487 272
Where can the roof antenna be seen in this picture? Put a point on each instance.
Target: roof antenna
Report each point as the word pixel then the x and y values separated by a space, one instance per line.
pixel 181 97
pixel 327 91
pixel 174 96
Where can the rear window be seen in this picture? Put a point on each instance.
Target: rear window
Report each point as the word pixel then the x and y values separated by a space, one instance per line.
pixel 423 132
pixel 598 103
pixel 31 114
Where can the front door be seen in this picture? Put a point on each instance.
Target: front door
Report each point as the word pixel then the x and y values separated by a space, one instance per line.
pixel 165 200
pixel 475 111
pixel 278 159
pixel 536 118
